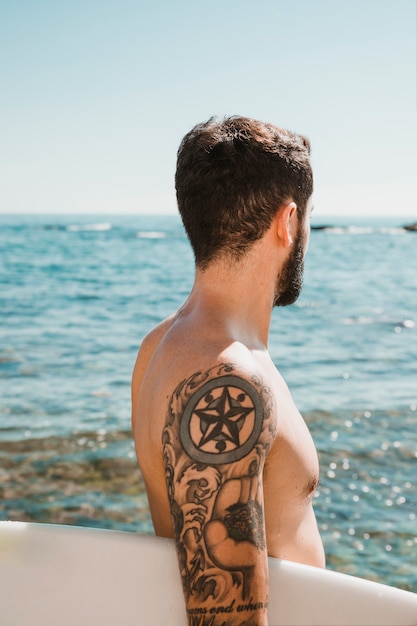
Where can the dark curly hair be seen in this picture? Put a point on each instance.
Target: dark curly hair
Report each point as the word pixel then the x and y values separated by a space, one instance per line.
pixel 232 177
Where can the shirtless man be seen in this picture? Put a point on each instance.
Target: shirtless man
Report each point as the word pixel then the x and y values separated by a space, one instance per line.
pixel 229 465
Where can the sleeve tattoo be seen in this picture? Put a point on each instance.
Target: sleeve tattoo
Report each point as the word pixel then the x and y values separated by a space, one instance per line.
pixel 217 434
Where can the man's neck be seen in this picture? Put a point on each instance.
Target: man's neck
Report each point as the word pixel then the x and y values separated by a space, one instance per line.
pixel 236 298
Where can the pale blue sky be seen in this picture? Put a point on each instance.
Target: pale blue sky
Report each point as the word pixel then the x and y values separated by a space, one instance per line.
pixel 97 94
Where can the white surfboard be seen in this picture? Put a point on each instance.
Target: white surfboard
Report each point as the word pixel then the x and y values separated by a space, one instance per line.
pixel 68 576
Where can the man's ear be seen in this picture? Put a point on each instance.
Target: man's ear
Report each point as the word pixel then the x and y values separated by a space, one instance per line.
pixel 286 224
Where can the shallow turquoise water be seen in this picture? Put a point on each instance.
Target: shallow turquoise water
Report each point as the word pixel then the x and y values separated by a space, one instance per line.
pixel 78 294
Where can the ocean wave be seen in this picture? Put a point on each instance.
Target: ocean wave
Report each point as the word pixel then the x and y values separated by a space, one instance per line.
pixel 361 230
pixel 151 234
pixel 101 226
pixel 363 319
pixel 398 230
pixel 88 227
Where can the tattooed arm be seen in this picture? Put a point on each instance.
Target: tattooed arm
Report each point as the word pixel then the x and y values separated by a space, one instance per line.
pixel 219 428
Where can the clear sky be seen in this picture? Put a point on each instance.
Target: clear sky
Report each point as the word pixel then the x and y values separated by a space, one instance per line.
pixel 97 94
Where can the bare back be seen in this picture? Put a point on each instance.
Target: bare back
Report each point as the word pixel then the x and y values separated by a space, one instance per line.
pixel 176 359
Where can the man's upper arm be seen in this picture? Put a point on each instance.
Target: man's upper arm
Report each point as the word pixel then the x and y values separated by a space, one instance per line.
pixel 219 428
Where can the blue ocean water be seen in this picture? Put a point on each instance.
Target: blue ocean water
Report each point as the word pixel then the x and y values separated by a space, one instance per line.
pixel 77 295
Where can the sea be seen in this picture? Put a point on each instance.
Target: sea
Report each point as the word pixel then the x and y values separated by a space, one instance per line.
pixel 78 294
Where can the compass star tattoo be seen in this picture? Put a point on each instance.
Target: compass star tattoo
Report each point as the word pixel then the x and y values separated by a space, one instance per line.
pixel 222 421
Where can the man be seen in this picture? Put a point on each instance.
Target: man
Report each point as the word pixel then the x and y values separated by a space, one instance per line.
pixel 229 465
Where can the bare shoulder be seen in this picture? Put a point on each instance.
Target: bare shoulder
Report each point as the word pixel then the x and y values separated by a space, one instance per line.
pixel 222 412
pixel 145 353
pixel 151 340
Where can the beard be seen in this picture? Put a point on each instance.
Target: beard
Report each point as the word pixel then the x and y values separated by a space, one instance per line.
pixel 290 280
